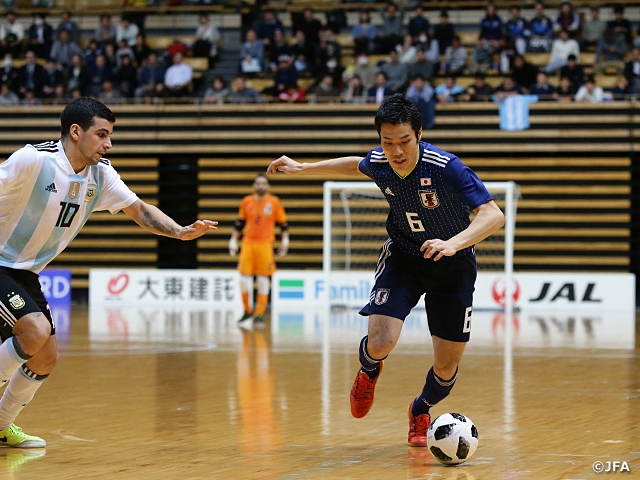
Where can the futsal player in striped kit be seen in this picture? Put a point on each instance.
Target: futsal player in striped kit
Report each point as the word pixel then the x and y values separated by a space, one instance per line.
pixel 430 250
pixel 47 192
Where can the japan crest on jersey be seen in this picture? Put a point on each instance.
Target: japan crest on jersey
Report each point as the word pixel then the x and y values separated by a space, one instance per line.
pixel 382 295
pixel 429 198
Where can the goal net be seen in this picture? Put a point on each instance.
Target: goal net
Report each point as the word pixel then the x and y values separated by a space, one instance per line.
pixel 354 229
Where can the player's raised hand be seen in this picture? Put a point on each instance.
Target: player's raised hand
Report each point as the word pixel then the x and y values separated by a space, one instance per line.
pixel 284 164
pixel 197 229
pixel 437 247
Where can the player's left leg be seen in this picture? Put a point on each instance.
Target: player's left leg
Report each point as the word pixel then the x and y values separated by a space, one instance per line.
pixel 246 268
pixel 265 267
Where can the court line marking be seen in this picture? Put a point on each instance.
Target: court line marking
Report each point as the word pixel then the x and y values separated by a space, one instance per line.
pixel 71 437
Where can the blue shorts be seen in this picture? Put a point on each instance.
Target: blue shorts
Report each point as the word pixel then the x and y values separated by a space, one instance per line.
pixel 448 285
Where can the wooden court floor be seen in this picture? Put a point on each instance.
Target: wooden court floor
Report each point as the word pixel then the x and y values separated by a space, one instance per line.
pixel 219 402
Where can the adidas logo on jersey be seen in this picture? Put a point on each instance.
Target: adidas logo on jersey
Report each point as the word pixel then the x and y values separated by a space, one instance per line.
pixel 51 188
pixel 389 192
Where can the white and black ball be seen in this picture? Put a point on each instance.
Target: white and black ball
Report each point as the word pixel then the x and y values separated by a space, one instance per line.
pixel 452 438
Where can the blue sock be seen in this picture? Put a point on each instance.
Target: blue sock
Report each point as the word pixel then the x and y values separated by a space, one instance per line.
pixel 435 389
pixel 370 366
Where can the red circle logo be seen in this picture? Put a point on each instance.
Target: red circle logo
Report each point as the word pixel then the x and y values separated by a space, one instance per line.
pixel 118 284
pixel 498 291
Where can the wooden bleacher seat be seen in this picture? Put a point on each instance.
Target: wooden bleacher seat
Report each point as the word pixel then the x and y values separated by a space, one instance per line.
pixel 468 38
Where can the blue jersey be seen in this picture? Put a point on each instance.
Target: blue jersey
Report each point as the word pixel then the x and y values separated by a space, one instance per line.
pixel 433 201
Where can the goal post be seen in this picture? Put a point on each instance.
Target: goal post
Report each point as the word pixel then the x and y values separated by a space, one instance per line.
pixel 354 229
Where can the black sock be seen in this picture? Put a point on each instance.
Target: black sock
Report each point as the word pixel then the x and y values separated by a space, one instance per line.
pixel 370 366
pixel 435 389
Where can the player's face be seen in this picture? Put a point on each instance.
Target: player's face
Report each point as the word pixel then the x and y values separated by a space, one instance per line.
pixel 260 186
pixel 95 142
pixel 400 146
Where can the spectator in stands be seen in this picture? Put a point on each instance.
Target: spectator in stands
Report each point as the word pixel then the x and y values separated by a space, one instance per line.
pixel 331 67
pixel 482 57
pixel 364 34
pixel 303 54
pixel 279 47
pixel 567 20
pixel 75 93
pixel 522 72
pixel 566 90
pixel 336 20
pixel 355 91
pixel 418 23
pixel 30 76
pixel 421 66
pixel 365 71
pixel 141 51
pixel 252 54
pixel 325 92
pixel 422 93
pixel 407 51
pixel 310 26
pixel 149 76
pixel 123 49
pixel 79 76
pixel 208 40
pixel 491 27
pixel 561 48
pixel 543 88
pixel 92 51
pixel 7 97
pixel 105 32
pixel 611 52
pixel 593 30
pixel 70 26
pixel 126 79
pixel 217 92
pixel 589 92
pixel 159 94
pixel 9 73
pixel 541 28
pixel 574 71
pixel 178 45
pixel 507 88
pixel 30 100
pixel 40 36
pixel 396 72
pixel 11 35
pixel 380 90
pixel 632 70
pixel 127 31
pixel 622 90
pixel 478 91
pixel 178 77
pixel 517 30
pixel 620 25
pixel 285 78
pixel 443 32
pixel 267 27
pixel 52 76
pixel 244 94
pixel 392 28
pixel 110 95
pixel 455 58
pixel 59 96
pixel 63 49
pixel 448 91
pixel 111 60
pixel 328 47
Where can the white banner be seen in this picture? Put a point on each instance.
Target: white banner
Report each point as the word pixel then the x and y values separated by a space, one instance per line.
pixel 164 287
pixel 547 291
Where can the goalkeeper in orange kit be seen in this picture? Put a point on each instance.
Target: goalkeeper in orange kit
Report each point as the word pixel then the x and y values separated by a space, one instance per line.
pixel 258 215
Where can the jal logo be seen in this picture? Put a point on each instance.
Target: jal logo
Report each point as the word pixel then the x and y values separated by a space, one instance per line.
pixel 499 291
pixel 118 284
pixel 567 291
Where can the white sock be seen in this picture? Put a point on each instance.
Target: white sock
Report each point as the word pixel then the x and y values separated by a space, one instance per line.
pixel 11 358
pixel 19 392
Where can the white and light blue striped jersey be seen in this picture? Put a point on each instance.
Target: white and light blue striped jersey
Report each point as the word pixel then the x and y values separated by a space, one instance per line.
pixel 44 203
pixel 433 201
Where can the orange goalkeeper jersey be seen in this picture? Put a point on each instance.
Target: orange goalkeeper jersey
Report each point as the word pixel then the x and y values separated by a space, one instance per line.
pixel 260 217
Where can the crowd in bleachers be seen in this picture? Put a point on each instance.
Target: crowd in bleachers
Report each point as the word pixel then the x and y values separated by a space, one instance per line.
pixel 330 61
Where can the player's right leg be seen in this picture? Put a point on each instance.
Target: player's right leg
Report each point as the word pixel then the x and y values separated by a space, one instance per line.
pixel 246 267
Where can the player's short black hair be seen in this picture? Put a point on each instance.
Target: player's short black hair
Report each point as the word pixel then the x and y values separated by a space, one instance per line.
pixel 82 111
pixel 398 109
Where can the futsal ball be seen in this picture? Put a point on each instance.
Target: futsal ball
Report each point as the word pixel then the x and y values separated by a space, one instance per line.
pixel 452 438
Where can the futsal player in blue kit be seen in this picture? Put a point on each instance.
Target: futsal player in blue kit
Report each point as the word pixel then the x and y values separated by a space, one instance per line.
pixel 430 250
pixel 47 192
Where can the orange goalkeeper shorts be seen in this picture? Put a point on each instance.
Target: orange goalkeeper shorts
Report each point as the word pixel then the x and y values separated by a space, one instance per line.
pixel 257 259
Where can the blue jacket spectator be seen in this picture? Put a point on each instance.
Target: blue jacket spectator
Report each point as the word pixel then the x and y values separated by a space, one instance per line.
pixel 267 27
pixel 491 25
pixel 567 20
pixel 517 30
pixel 364 34
pixel 418 23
